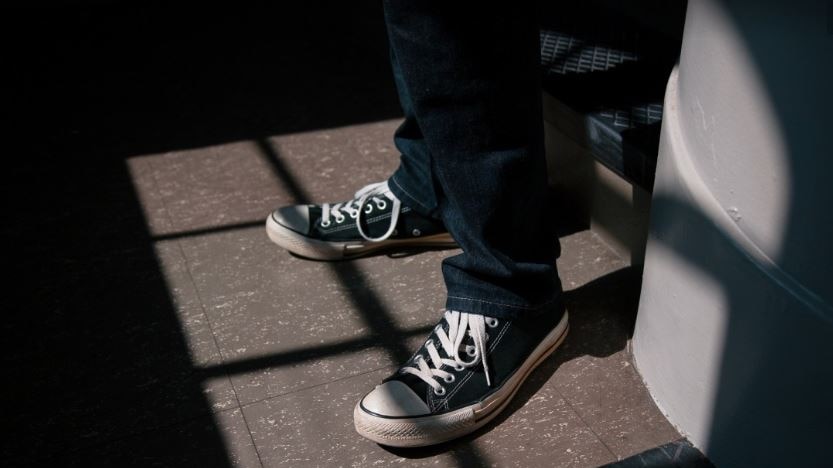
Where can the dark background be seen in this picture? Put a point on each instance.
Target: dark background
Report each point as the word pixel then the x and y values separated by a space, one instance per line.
pixel 92 350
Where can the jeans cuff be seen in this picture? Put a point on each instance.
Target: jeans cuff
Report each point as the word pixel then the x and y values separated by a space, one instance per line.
pixel 500 310
pixel 407 199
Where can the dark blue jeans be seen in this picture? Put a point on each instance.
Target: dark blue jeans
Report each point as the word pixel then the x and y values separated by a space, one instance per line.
pixel 472 147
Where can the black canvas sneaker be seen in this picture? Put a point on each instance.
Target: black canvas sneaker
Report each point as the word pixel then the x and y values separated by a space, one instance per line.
pixel 463 376
pixel 373 220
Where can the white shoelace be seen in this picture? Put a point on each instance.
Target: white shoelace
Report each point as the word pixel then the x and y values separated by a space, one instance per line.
pixel 458 323
pixel 379 193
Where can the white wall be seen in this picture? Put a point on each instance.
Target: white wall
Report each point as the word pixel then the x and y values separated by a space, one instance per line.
pixel 734 335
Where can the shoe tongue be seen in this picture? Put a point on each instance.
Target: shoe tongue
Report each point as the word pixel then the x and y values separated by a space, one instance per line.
pixel 386 194
pixel 381 190
pixel 389 195
pixel 382 193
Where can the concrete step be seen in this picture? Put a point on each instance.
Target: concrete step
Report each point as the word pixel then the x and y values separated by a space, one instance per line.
pixel 605 71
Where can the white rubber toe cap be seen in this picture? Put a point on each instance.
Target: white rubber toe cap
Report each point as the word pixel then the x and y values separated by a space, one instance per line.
pixel 394 399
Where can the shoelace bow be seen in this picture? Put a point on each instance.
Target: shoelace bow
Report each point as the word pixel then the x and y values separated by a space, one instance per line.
pixel 450 343
pixel 379 193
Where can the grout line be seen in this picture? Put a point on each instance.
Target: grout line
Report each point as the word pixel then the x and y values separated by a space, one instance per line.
pixel 570 404
pixel 325 350
pixel 298 390
pixel 175 235
pixel 219 350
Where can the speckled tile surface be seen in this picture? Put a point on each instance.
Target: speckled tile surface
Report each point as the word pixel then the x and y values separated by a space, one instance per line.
pixel 241 182
pixel 300 341
pixel 187 337
pixel 265 306
pixel 226 348
pixel 596 375
pixel 315 427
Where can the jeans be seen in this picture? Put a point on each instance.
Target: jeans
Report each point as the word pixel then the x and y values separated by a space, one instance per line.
pixel 472 148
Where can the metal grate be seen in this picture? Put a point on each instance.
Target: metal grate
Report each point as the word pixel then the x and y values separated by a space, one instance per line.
pixel 635 116
pixel 563 53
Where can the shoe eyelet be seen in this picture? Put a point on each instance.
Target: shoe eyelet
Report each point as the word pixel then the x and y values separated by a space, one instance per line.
pixel 340 220
pixel 368 209
pixel 471 352
pixel 354 214
pixel 449 379
pixel 491 322
pixel 381 205
pixel 459 368
pixel 325 224
pixel 439 392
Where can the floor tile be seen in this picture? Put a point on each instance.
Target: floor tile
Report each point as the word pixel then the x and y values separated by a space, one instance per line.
pixel 194 325
pixel 539 428
pixel 150 198
pixel 610 397
pixel 332 164
pixel 266 307
pixel 596 376
pixel 315 428
pixel 584 257
pixel 243 181
pixel 300 323
pixel 215 186
pixel 301 340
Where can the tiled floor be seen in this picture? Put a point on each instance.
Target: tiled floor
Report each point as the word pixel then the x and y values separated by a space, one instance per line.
pixel 161 326
pixel 284 347
pixel 148 321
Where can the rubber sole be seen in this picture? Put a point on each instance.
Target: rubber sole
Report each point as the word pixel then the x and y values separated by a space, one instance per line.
pixel 435 429
pixel 315 249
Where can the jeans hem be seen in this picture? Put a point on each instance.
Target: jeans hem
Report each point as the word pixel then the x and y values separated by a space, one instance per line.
pixel 408 199
pixel 500 310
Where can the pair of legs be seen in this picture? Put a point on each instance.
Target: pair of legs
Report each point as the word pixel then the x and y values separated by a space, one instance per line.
pixel 472 166
pixel 472 147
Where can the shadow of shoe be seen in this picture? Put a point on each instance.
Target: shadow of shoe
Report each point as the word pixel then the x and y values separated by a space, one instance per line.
pixel 393 252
